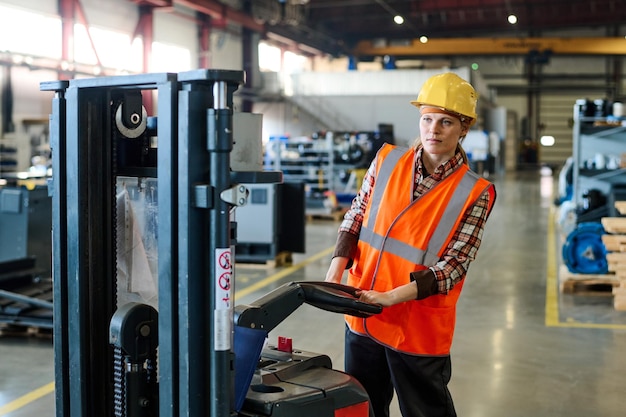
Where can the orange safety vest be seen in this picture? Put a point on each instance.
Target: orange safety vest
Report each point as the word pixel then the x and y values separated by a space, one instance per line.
pixel 400 235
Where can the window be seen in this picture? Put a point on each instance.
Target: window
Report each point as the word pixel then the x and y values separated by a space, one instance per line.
pixel 16 33
pixel 169 58
pixel 269 58
pixel 115 49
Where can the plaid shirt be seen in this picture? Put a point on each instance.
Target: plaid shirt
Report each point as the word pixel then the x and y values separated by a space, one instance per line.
pixel 462 249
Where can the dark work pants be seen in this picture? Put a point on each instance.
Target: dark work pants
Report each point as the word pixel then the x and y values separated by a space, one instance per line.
pixel 421 382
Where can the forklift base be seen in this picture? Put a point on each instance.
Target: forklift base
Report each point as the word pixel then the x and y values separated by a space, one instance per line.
pixel 302 384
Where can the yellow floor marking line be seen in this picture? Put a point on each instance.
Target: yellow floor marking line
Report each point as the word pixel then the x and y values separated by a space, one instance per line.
pixel 285 272
pixel 27 399
pixel 48 388
pixel 552 296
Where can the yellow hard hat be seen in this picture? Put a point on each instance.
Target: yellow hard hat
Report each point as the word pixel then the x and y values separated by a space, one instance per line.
pixel 449 92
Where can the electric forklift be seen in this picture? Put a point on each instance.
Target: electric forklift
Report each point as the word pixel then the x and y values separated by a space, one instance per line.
pixel 144 231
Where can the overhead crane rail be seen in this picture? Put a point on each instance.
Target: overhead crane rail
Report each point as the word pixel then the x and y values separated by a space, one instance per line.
pixel 496 46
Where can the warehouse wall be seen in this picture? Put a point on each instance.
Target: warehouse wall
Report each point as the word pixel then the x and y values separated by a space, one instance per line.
pixel 346 113
pixel 362 100
pixel 176 29
pixel 42 6
pixel 170 28
pixel 563 80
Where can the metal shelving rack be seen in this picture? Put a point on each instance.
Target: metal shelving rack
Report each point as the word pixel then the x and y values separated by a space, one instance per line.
pixel 8 156
pixel 307 161
pixel 591 136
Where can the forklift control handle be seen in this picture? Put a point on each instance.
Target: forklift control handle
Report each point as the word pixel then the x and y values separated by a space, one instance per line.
pixel 338 298
pixel 271 309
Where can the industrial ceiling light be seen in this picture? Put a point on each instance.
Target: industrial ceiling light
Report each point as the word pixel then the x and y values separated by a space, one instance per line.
pixel 547 140
pixel 396 16
pixel 424 39
pixel 512 19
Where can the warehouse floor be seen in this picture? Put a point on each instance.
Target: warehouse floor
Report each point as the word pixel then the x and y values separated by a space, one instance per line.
pixel 522 348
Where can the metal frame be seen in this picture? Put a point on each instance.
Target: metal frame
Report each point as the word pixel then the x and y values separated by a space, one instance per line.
pixel 196 192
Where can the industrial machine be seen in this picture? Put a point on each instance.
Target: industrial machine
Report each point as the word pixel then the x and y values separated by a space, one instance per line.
pixel 25 256
pixel 143 204
pixel 283 207
pixel 583 251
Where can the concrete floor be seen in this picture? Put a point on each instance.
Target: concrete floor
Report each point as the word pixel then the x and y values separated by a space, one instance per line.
pixel 521 348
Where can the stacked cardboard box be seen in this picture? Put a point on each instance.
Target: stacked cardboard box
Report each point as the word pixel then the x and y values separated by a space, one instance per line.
pixel 615 243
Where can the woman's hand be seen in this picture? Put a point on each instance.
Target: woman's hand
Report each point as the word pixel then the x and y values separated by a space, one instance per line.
pixel 389 298
pixel 384 299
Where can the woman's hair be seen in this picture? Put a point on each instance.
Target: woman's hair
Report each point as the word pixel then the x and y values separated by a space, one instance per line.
pixel 459 148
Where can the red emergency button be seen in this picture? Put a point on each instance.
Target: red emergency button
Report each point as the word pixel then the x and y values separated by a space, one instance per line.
pixel 285 344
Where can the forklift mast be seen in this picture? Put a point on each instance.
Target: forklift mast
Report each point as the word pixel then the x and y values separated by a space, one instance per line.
pixel 142 203
pixel 143 238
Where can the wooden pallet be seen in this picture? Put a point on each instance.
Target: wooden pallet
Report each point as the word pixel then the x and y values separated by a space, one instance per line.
pixel 619 297
pixel 335 215
pixel 615 225
pixel 11 330
pixel 588 287
pixel 586 284
pixel 615 243
pixel 621 206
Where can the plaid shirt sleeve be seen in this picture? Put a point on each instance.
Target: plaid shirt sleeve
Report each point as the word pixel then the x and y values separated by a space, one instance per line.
pixel 463 247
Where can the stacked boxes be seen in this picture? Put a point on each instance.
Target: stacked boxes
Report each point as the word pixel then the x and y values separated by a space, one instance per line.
pixel 615 243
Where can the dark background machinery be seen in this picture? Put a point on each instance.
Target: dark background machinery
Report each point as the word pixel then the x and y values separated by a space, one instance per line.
pixel 25 255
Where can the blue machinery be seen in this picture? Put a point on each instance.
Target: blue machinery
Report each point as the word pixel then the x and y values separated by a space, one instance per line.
pixel 167 176
pixel 584 252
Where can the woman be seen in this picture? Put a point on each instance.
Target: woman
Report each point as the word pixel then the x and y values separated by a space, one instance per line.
pixel 409 238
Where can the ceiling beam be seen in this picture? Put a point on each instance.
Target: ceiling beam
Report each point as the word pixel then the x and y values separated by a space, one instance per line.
pixel 220 11
pixel 496 46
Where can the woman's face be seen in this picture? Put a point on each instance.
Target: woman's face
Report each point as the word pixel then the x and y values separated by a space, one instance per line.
pixel 440 132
